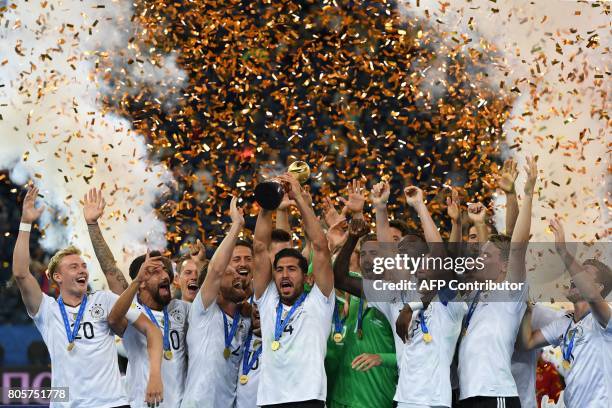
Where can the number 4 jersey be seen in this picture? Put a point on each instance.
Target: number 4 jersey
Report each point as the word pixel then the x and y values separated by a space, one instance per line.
pixel 90 369
pixel 173 370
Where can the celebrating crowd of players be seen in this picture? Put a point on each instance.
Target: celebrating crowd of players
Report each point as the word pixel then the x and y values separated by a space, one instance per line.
pixel 267 324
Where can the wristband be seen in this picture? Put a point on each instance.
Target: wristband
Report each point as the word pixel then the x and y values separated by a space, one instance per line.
pixel 25 227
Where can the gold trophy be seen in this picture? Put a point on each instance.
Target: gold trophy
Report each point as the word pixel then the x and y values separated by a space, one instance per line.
pixel 269 194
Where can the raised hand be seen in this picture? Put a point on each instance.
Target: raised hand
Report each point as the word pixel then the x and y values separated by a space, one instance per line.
pixel 532 174
pixel 198 254
pixel 414 196
pixel 30 213
pixel 292 186
pixel 358 227
pixel 286 203
pixel 453 208
pixel 330 214
pixel 558 231
pixel 380 194
pixel 477 213
pixel 505 180
pixel 356 197
pixel 93 205
pixel 236 213
pixel 148 267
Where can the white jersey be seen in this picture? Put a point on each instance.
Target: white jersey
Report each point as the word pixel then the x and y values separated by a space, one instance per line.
pixel 246 395
pixel 524 362
pixel 424 368
pixel 486 350
pixel 90 370
pixel 295 372
pixel 211 379
pixel 173 371
pixel 588 382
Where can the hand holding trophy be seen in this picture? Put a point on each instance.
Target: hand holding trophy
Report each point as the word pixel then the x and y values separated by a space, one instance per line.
pixel 269 194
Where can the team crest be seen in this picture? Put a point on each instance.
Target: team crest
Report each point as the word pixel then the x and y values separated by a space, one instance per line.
pixel 97 312
pixel 177 315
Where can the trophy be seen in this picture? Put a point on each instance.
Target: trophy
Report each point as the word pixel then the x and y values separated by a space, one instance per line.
pixel 269 193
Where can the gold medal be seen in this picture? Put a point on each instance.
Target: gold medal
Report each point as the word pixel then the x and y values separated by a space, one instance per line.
pixel 226 353
pixel 70 346
pixel 566 365
pixel 427 338
pixel 337 337
pixel 244 379
pixel 275 345
pixel 168 354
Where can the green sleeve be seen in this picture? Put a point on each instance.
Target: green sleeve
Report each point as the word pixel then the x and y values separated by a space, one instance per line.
pixel 388 360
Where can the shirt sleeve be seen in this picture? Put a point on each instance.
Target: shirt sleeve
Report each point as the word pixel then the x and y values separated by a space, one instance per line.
pixel 41 318
pixel 325 302
pixel 553 332
pixel 198 314
pixel 605 331
pixel 389 360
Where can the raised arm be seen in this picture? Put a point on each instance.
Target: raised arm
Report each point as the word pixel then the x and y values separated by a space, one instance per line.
pixel 356 199
pixel 453 209
pixel 282 214
pixel 380 197
pixel 477 213
pixel 520 237
pixel 93 208
pixel 117 317
pixel 262 268
pixel 414 198
pixel 28 285
pixel 342 279
pixel 505 181
pixel 321 259
pixel 529 339
pixel 584 281
pixel 223 255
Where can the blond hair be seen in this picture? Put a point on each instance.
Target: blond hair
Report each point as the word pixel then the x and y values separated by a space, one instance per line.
pixel 57 258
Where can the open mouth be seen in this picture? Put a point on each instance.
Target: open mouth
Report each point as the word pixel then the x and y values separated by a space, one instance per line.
pixel 286 286
pixel 243 271
pixel 192 286
pixel 82 280
pixel 164 288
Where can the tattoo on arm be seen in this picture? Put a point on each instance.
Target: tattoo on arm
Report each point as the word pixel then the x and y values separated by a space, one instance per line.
pixel 114 276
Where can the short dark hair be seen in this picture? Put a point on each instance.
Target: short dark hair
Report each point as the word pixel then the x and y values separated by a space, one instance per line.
pixel 279 235
pixel 245 243
pixel 137 263
pixel 502 242
pixel 367 238
pixel 291 253
pixel 400 225
pixel 604 275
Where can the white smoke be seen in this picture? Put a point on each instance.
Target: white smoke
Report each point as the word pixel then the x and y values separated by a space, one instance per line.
pixel 558 52
pixel 53 130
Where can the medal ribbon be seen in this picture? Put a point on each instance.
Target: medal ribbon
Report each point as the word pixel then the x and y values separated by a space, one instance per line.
pixel 360 314
pixel 338 323
pixel 229 336
pixel 471 310
pixel 166 324
pixel 566 349
pixel 71 334
pixel 424 328
pixel 281 324
pixel 246 364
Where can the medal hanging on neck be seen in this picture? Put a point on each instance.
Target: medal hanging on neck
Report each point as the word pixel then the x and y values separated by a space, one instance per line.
pixel 568 346
pixel 71 334
pixel 229 335
pixel 167 349
pixel 470 312
pixel 247 365
pixel 427 338
pixel 360 314
pixel 338 325
pixel 282 323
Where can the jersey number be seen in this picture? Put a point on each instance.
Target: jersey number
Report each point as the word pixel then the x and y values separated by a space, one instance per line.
pixel 175 339
pixel 87 329
pixel 288 329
